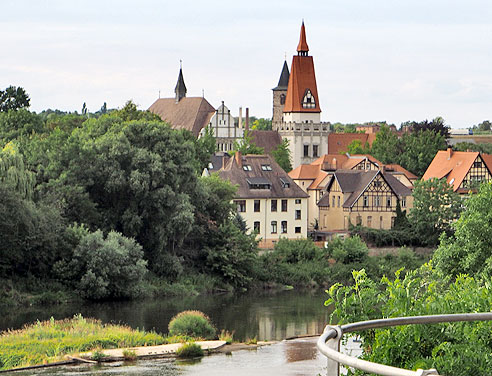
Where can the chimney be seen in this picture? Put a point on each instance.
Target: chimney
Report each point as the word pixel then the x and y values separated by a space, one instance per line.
pixel 450 152
pixel 239 158
pixel 334 163
pixel 247 119
pixel 240 117
pixel 225 158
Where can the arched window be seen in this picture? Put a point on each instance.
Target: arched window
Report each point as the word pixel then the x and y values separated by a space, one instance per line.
pixel 282 98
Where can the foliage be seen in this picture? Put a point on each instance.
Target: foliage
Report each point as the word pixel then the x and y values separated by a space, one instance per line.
pixel 296 251
pixel 130 112
pixel 189 350
pixel 13 172
pixel 468 251
pixel 129 354
pixel 192 323
pixel 106 268
pixel 226 336
pixel 13 98
pixel 19 125
pixel 453 349
pixel 436 125
pixel 349 250
pixel 420 149
pixel 404 236
pixel 435 207
pixel 468 146
pixel 281 154
pixel 356 147
pixel 51 340
pixel 246 145
pixel 262 124
pixel 386 146
pixel 483 126
pixel 206 146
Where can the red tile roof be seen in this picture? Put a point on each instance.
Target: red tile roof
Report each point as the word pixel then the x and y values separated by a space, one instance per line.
pixel 339 142
pixel 302 46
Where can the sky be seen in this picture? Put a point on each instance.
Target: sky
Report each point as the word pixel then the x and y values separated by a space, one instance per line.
pixel 378 60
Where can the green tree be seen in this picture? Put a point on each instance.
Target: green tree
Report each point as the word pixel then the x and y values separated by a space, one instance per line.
pixel 13 98
pixel 419 149
pixel 356 147
pixel 386 147
pixel 262 124
pixel 13 172
pixel 436 125
pixel 130 112
pixel 20 125
pixel 468 251
pixel 246 145
pixel 281 154
pixel 435 207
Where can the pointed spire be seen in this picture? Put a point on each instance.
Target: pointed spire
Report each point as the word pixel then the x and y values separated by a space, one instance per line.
pixel 283 82
pixel 302 47
pixel 180 88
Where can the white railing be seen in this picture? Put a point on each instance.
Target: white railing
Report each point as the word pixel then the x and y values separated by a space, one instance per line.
pixel 329 342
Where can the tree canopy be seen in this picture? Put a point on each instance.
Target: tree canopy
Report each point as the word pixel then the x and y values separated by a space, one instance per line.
pixel 13 98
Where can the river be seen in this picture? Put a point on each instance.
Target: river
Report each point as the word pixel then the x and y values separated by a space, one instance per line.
pixel 268 316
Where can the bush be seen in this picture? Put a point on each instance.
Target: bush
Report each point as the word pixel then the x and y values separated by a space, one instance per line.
pixel 189 350
pixel 349 250
pixel 191 323
pixel 108 268
pixel 299 250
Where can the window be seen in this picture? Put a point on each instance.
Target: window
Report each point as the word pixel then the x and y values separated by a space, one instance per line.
pixel 284 205
pixel 306 150
pixel 377 183
pixel 315 150
pixel 298 230
pixel 365 201
pixel 247 167
pixel 338 201
pixel 308 100
pixel 381 222
pixel 403 202
pixel 284 227
pixel 257 205
pixel 369 221
pixel 298 214
pixel 358 220
pixel 333 200
pixel 298 200
pixel 388 202
pixel 274 227
pixel 282 98
pixel 266 167
pixel 285 183
pixel 241 206
pixel 477 164
pixel 273 206
pixel 256 226
pixel 377 201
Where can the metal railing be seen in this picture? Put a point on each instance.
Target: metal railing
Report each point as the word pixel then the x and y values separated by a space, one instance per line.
pixel 329 342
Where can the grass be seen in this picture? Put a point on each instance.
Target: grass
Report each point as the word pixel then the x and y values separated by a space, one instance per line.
pixel 226 336
pixel 189 350
pixel 251 341
pixel 49 341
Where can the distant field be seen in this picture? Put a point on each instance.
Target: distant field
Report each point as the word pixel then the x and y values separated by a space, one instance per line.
pixel 476 139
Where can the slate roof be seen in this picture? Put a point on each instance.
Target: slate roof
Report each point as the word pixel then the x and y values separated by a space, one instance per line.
pixel 454 166
pixel 234 172
pixel 355 182
pixel 190 113
pixel 268 140
pixel 283 82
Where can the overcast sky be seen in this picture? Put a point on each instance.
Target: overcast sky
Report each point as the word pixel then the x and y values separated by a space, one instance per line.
pixel 375 60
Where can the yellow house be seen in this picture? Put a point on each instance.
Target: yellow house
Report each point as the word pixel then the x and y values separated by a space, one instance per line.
pixel 267 198
pixel 367 198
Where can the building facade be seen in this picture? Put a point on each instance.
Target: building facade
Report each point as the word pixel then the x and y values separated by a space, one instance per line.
pixel 269 201
pixel 300 122
pixel 224 128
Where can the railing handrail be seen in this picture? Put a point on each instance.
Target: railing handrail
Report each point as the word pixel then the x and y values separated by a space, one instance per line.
pixel 335 333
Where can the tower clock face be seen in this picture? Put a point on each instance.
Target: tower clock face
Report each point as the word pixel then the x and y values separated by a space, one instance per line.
pixel 308 101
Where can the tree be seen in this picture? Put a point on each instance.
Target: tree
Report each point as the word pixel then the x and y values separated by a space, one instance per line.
pixel 13 172
pixel 356 147
pixel 419 149
pixel 246 145
pixel 435 207
pixel 84 109
pixel 20 125
pixel 281 154
pixel 386 147
pixel 262 124
pixel 437 125
pixel 104 108
pixel 13 98
pixel 468 250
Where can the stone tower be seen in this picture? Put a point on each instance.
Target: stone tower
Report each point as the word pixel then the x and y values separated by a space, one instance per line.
pixel 279 94
pixel 301 119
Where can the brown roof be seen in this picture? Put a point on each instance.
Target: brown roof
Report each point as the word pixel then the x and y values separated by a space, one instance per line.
pixel 454 165
pixel 268 140
pixel 305 172
pixel 339 142
pixel 398 168
pixel 302 46
pixel 356 182
pixel 190 113
pixel 281 185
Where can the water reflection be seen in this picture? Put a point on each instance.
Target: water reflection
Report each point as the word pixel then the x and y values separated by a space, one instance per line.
pixel 265 315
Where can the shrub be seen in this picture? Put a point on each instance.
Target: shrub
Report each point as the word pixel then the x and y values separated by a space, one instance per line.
pixel 348 250
pixel 189 350
pixel 108 268
pixel 299 250
pixel 129 354
pixel 191 323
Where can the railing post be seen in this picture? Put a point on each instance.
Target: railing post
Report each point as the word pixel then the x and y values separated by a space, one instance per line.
pixel 332 366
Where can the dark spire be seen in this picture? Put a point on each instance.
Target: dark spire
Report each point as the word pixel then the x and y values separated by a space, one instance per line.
pixel 302 47
pixel 283 82
pixel 180 88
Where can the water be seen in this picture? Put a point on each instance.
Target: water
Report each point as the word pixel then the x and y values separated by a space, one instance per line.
pixel 268 316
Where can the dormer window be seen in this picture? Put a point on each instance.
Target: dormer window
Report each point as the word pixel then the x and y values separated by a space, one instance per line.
pixel 308 101
pixel 265 167
pixel 285 183
pixel 247 167
pixel 259 183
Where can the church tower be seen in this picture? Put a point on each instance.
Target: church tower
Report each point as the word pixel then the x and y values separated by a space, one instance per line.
pixel 279 95
pixel 301 119
pixel 180 88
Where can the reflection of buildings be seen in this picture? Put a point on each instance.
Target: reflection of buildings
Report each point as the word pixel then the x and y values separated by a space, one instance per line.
pixel 270 328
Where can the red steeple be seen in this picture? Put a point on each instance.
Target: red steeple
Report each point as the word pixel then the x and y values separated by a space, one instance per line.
pixel 302 47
